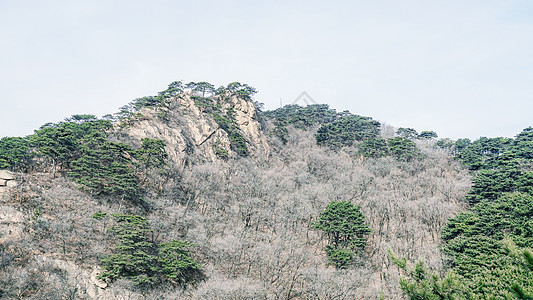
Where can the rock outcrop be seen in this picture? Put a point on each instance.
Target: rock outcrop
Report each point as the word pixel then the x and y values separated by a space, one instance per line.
pixel 7 180
pixel 85 282
pixel 191 131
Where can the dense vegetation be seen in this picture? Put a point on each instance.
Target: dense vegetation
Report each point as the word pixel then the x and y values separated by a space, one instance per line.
pixel 312 218
pixel 80 148
pixel 337 130
pixel 490 244
pixel 346 130
pixel 304 117
pixel 14 153
pixel 144 261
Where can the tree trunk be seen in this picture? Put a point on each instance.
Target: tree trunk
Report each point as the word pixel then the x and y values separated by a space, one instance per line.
pixel 54 163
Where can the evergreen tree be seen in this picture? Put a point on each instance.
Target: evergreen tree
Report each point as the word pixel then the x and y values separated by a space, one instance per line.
pixel 428 135
pixel 375 147
pixel 346 130
pixel 152 153
pixel 304 117
pixel 408 133
pixel 14 153
pixel 344 225
pixel 403 149
pixel 104 168
pixel 143 261
pixel 135 257
pixel 419 282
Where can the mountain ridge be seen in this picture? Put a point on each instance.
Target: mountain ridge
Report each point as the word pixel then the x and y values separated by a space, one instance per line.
pixel 239 187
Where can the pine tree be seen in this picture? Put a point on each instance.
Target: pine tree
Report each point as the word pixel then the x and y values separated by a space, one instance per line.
pixel 344 225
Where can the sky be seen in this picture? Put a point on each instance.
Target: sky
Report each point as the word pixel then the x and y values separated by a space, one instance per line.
pixel 459 68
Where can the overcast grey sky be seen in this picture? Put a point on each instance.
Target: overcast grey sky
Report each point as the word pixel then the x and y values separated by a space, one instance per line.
pixel 460 68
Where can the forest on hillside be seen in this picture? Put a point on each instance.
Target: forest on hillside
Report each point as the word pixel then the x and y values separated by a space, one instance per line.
pixel 339 207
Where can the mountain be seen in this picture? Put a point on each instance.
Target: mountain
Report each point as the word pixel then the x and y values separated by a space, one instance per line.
pixel 190 127
pixel 198 194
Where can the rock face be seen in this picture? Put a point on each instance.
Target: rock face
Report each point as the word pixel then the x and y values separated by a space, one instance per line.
pixel 6 175
pixel 7 180
pixel 191 131
pixel 86 283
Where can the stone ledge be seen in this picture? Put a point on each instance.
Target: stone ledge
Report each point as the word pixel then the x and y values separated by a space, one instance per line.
pixel 7 180
pixel 6 175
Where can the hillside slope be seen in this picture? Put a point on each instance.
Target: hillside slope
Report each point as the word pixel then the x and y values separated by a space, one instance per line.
pixel 245 196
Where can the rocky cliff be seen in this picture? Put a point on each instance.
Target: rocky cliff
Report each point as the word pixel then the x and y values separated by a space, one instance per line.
pixel 192 129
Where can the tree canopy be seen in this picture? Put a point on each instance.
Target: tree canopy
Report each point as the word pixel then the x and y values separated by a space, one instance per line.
pixel 344 225
pixel 346 130
pixel 303 117
pixel 403 149
pixel 79 147
pixel 14 153
pixel 144 261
